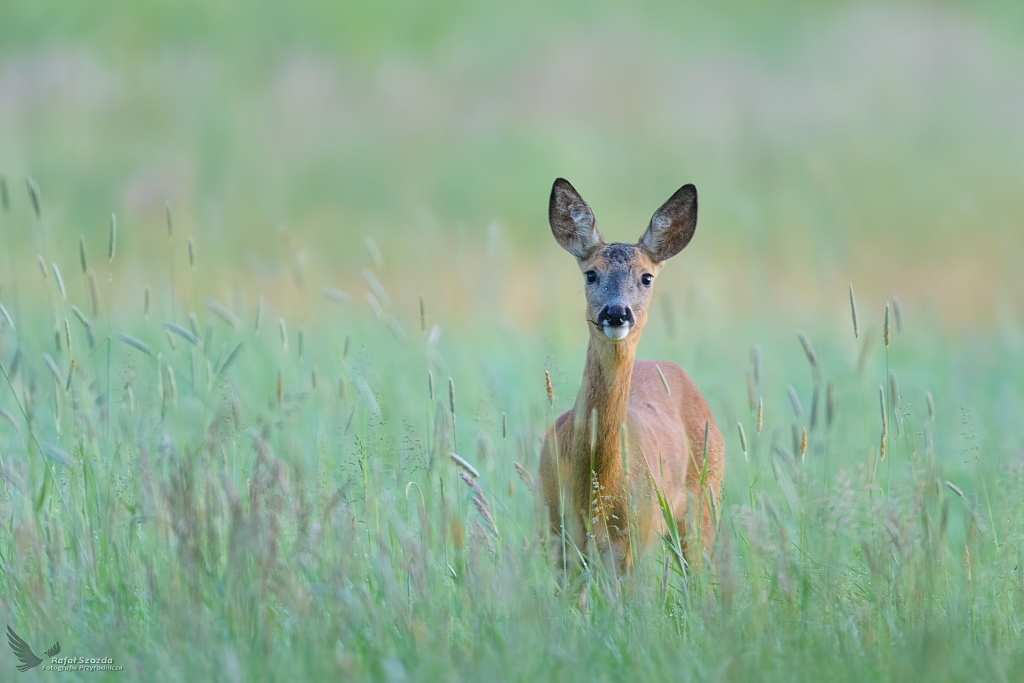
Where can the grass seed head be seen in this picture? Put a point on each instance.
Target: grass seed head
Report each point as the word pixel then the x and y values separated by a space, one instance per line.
pixel 504 426
pixel 335 295
pixel 170 222
pixel 283 329
pixel 524 475
pixel 80 315
pixel 136 343
pixel 794 401
pixel 60 281
pixel 145 303
pixel 222 312
pixel 112 246
pixel 853 312
pixel 376 287
pixel 760 414
pixel 462 464
pixel 483 508
pixel 259 316
pixel 172 385
pixel 430 385
pixel 451 395
pixel 42 266
pixel 469 481
pixel 549 387
pixel 743 439
pixel 803 442
pixel 81 255
pixel 188 335
pixel 931 405
pixel 33 195
pixel 897 311
pixel 885 327
pixel 812 357
pixel 51 364
pixel 423 315
pixel 191 253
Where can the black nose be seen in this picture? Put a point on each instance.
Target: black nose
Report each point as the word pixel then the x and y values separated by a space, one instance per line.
pixel 615 316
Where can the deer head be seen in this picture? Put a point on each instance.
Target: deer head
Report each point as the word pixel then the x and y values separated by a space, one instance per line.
pixel 619 276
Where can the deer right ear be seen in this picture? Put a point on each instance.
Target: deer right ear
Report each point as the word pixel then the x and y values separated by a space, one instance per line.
pixel 572 221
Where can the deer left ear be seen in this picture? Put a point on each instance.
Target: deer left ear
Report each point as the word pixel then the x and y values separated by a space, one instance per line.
pixel 672 226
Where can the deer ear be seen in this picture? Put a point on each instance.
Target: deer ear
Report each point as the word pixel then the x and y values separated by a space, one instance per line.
pixel 672 226
pixel 572 221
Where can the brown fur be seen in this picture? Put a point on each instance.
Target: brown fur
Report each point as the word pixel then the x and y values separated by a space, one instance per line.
pixel 665 428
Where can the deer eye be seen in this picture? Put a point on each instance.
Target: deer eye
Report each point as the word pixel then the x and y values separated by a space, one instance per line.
pixel 646 279
pixel 591 277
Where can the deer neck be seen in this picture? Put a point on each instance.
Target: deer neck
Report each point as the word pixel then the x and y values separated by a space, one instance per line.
pixel 605 386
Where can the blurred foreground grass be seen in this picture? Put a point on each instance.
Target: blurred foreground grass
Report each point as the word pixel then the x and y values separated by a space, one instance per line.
pixel 256 486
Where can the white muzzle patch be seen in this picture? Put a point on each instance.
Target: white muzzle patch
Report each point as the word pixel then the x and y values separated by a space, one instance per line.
pixel 616 333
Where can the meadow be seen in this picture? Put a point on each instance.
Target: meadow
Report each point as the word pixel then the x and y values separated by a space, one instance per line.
pixel 264 269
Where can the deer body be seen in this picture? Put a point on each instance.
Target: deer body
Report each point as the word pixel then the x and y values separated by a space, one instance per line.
pixel 588 485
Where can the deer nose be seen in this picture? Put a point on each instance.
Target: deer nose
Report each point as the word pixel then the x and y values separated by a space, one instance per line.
pixel 615 316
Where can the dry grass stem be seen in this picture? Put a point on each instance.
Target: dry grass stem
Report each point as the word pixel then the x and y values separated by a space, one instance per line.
pixel 664 382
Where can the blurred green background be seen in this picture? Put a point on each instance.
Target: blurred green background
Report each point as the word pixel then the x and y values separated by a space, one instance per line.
pixel 830 142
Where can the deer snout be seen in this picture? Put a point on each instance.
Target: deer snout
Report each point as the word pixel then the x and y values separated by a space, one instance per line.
pixel 615 316
pixel 616 320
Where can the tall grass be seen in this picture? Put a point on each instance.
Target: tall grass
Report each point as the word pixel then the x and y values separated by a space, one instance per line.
pixel 201 507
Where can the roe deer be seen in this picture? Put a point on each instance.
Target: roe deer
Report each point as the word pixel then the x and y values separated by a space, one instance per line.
pixel 588 485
